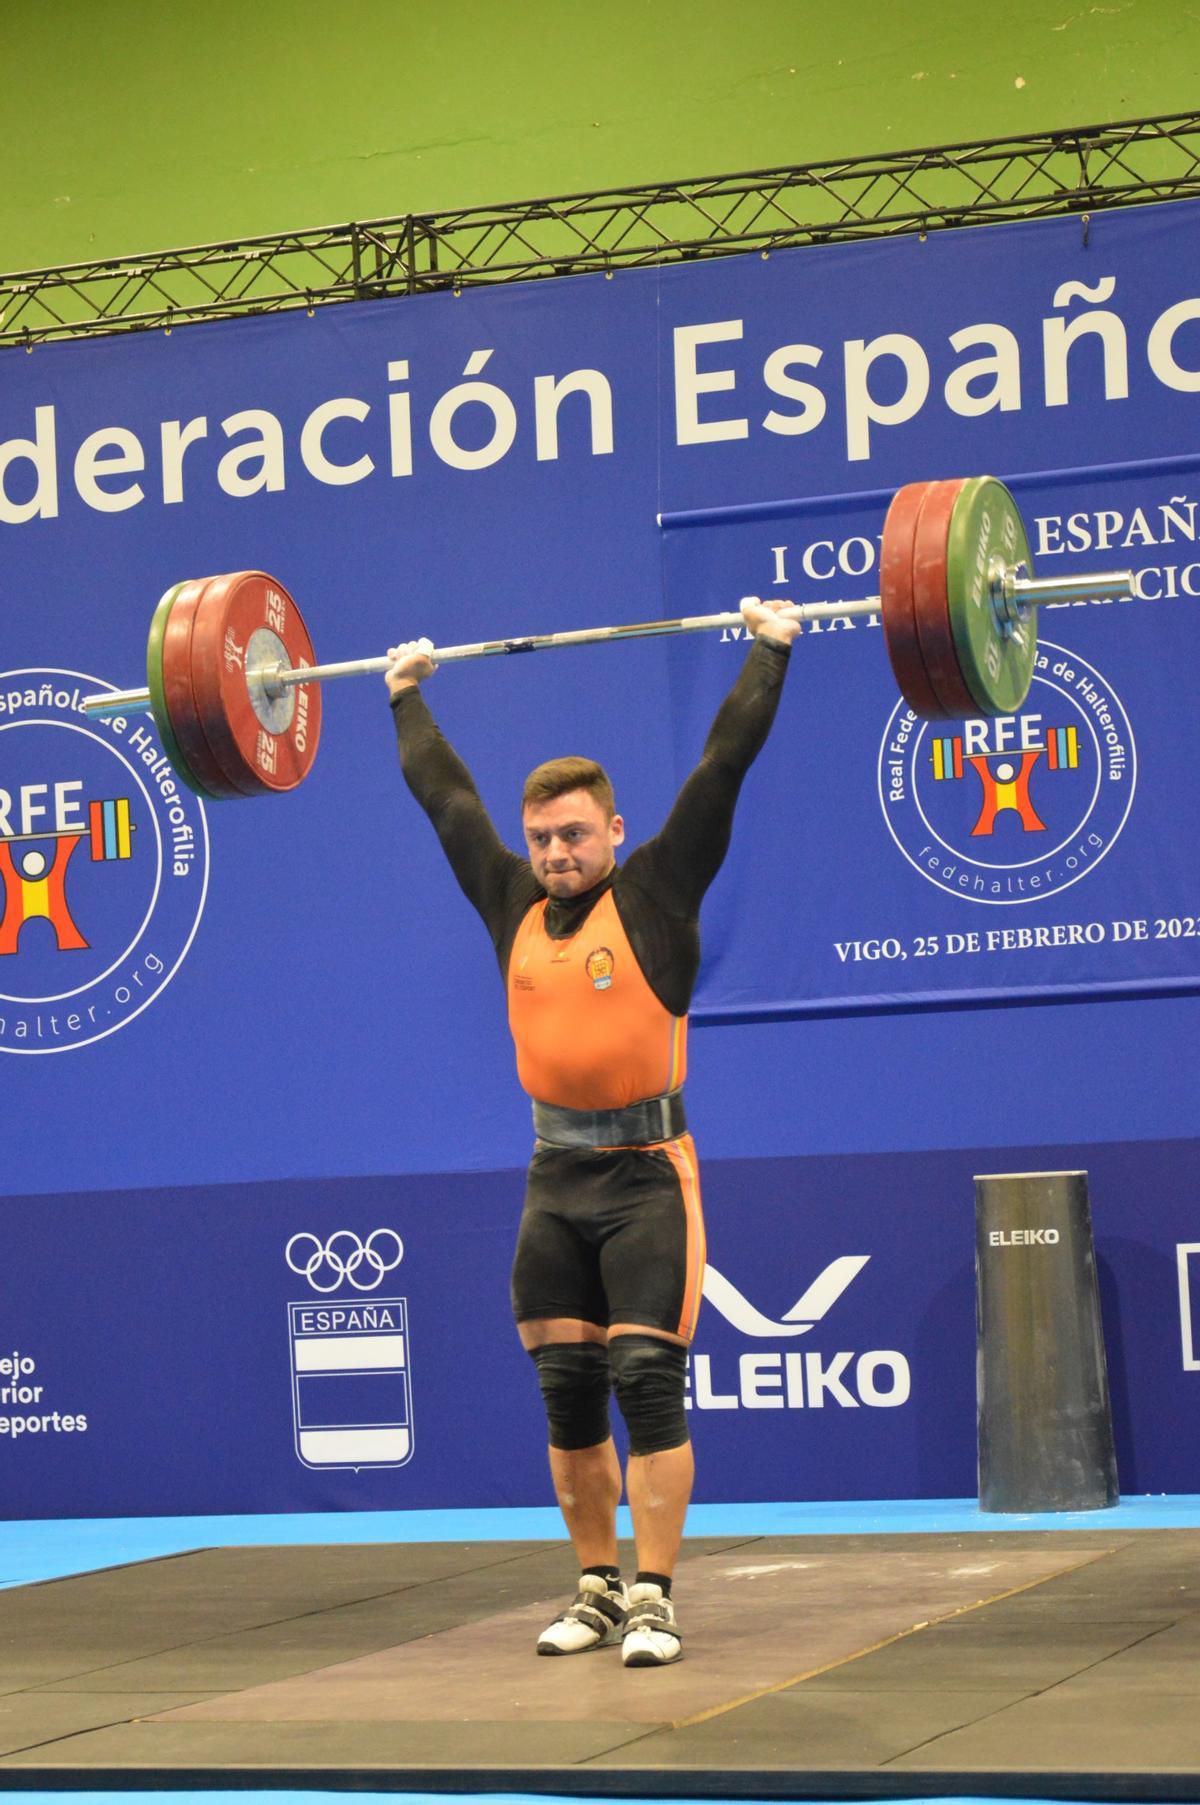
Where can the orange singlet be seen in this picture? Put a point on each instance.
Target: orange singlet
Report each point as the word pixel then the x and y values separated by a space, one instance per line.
pixel 589 1031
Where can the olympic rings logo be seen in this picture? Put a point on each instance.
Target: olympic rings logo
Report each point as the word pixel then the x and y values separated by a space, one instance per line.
pixel 342 1258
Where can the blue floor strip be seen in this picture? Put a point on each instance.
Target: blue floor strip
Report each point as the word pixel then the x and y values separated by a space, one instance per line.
pixel 34 1551
pixel 428 1798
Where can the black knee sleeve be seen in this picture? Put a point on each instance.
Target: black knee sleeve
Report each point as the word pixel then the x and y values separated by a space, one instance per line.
pixel 648 1374
pixel 575 1382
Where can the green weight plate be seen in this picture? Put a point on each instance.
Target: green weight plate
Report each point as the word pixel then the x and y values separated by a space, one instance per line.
pixel 158 700
pixel 997 666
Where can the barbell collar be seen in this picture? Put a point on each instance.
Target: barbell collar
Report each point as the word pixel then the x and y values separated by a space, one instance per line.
pixel 116 702
pixel 1106 586
pixel 1013 594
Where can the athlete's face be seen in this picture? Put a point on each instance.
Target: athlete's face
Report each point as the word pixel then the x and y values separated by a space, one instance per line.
pixel 572 842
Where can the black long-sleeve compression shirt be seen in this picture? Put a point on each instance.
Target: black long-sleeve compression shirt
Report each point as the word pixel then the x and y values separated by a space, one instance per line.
pixel 659 887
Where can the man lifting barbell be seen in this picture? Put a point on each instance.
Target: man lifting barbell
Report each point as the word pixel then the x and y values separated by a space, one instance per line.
pixel 599 961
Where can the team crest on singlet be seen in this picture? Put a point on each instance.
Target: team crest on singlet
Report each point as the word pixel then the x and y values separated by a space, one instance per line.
pixel 600 966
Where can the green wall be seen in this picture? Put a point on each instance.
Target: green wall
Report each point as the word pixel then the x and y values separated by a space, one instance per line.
pixel 134 125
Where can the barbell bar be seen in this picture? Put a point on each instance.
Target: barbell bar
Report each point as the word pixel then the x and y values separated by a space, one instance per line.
pixel 1019 594
pixel 232 677
pixel 273 680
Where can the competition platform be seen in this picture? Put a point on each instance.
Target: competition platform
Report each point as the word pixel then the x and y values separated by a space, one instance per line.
pixel 862 1651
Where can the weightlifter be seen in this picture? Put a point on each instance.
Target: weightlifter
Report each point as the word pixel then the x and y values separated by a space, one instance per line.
pixel 599 962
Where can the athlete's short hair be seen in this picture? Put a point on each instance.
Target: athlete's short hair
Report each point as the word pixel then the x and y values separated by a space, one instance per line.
pixel 560 775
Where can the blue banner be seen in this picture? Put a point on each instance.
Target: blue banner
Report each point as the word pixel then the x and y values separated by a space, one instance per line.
pixel 932 863
pixel 346 1344
pixel 231 1030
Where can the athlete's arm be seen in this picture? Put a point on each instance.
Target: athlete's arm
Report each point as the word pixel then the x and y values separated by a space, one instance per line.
pixel 491 877
pixel 681 861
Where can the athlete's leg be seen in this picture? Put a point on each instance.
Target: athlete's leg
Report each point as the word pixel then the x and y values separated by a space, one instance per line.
pixel 648 1372
pixel 659 1481
pixel 562 1318
pixel 571 1355
pixel 653 1266
pixel 587 1480
pixel 653 1271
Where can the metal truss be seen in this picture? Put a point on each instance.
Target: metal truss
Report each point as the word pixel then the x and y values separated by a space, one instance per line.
pixel 1077 171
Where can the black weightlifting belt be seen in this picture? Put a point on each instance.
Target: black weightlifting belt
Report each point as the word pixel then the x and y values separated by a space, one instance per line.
pixel 637 1125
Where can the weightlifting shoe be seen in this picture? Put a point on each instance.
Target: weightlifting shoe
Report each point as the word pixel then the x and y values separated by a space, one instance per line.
pixel 652 1635
pixel 593 1620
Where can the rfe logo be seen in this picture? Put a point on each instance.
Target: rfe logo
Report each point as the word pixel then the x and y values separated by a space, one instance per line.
pixel 1005 767
pixel 1010 811
pixel 103 865
pixel 33 879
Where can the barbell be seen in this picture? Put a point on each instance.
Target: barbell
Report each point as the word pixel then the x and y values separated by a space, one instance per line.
pixel 232 675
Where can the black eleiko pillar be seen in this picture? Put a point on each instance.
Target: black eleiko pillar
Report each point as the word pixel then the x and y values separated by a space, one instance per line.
pixel 1044 1422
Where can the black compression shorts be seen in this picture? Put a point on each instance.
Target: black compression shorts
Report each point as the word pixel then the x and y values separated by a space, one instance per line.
pixel 612 1235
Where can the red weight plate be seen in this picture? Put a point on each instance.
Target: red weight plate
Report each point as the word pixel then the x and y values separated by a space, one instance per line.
pixel 896 598
pixel 247 618
pixel 930 606
pixel 181 702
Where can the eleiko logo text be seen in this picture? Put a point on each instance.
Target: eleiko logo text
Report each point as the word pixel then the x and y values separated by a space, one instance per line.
pixel 788 1379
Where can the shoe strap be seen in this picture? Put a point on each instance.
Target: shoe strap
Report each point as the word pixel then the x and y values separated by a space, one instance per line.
pixel 599 1610
pixel 650 1614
